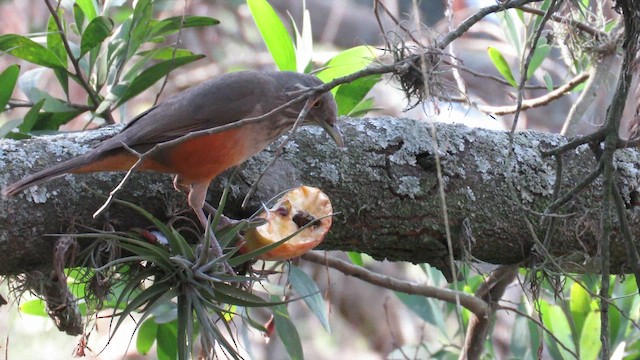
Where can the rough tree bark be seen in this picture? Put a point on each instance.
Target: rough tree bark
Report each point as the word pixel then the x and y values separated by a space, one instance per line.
pixel 383 185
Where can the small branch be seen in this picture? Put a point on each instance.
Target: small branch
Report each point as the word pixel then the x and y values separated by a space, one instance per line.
pixel 470 302
pixel 557 186
pixel 497 79
pixel 491 291
pixel 576 189
pixel 612 125
pixel 533 103
pixel 564 20
pixel 632 251
pixel 173 53
pixel 479 15
pixel 597 76
pixel 525 66
pixel 597 136
pixel 12 104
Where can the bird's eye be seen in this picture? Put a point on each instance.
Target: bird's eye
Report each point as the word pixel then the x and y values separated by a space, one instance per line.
pixel 318 103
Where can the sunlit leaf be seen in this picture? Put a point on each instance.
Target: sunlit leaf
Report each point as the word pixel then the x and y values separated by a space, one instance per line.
pixel 88 8
pixel 502 66
pixel 29 50
pixel 557 323
pixel 356 258
pixel 304 41
pixel 347 62
pixel 513 33
pixel 579 304
pixel 147 333
pixel 35 307
pixel 590 344
pixel 350 95
pixel 274 34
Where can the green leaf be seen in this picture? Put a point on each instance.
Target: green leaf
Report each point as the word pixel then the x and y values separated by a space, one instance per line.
pixel 274 34
pixel 162 53
pixel 96 32
pixel 185 321
pixel 287 331
pixel 170 25
pixel 234 296
pixel 502 66
pixel 88 8
pixel 165 53
pixel 35 307
pixel 78 17
pixel 425 308
pixel 590 344
pixel 139 30
pixel 177 244
pixel 29 50
pixel 626 300
pixel 51 121
pixel 350 95
pixel 556 321
pixel 167 344
pixel 147 297
pixel 54 40
pixel 31 117
pixel 165 312
pixel 6 128
pixel 147 333
pixel 548 82
pixel 579 305
pixel 152 74
pixel 539 54
pixel 513 33
pixel 364 107
pixel 520 340
pixel 304 285
pixel 55 44
pixel 304 41
pixel 8 80
pixel 28 84
pixel 347 62
pixel 538 19
pixel 112 97
pixel 356 258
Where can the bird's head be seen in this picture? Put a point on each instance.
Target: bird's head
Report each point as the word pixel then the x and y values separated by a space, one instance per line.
pixel 322 109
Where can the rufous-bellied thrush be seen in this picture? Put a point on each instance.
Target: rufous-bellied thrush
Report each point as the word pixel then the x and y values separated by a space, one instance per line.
pixel 199 158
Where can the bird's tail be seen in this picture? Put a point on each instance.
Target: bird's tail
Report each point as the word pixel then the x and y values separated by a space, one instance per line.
pixel 47 174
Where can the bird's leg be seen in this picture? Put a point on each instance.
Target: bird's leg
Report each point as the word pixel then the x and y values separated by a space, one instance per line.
pixel 225 221
pixel 197 194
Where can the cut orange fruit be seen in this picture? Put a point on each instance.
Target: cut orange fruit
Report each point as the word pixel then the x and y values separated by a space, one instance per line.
pixel 293 211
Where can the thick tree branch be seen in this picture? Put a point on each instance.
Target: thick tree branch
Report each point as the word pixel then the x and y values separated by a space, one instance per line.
pixel 383 185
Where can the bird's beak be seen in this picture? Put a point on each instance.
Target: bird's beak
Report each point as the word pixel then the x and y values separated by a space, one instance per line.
pixel 334 133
